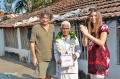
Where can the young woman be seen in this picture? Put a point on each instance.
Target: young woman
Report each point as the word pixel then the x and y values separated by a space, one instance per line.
pixel 95 37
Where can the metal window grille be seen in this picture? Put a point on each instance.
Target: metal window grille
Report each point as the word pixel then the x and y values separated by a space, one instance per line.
pixel 10 36
pixel 79 35
pixel 24 33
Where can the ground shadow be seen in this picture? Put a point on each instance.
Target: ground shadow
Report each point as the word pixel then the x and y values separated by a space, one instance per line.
pixel 16 77
pixel 25 76
pixel 29 65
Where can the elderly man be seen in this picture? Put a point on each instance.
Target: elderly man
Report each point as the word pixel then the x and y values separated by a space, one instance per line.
pixel 67 51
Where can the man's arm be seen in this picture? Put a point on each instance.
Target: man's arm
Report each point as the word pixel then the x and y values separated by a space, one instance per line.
pixel 32 48
pixel 32 45
pixel 57 55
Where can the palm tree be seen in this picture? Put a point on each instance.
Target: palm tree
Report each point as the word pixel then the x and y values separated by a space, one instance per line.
pixel 20 6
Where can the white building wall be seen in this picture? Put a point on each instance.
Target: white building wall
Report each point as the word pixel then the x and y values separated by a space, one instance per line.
pixel 114 70
pixel 57 29
pixel 23 53
pixel 83 65
pixel 1 42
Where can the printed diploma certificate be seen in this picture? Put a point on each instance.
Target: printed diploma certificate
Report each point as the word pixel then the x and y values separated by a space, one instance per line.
pixel 67 60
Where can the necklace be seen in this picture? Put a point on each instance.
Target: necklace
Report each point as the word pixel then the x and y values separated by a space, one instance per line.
pixel 59 42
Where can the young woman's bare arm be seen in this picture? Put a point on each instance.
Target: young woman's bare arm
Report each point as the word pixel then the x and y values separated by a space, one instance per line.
pixel 101 41
pixel 84 40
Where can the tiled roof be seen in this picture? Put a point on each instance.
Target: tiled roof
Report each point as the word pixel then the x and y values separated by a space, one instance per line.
pixel 108 8
pixel 10 22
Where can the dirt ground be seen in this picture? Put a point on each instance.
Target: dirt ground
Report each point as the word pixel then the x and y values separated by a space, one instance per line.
pixel 22 70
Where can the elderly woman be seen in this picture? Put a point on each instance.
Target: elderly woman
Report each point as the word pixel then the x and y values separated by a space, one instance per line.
pixel 67 52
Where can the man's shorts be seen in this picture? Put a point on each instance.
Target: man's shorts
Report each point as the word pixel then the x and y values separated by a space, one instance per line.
pixel 46 68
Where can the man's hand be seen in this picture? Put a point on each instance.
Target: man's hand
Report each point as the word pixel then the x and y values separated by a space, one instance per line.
pixel 35 61
pixel 59 61
pixel 74 56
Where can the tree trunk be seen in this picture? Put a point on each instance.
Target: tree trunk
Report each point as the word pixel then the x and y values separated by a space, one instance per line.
pixel 29 3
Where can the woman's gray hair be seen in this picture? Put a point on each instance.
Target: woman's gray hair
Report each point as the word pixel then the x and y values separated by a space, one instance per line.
pixel 65 23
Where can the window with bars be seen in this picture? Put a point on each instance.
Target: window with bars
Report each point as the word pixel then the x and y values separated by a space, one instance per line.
pixel 25 36
pixel 10 36
pixel 118 44
pixel 79 35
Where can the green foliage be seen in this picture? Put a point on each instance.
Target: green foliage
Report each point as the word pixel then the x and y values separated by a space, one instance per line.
pixel 23 4
pixel 38 3
pixel 35 3
pixel 43 2
pixel 72 35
